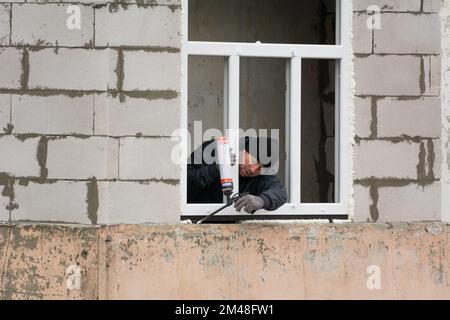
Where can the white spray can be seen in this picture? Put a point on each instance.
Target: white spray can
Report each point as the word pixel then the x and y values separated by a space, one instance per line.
pixel 224 161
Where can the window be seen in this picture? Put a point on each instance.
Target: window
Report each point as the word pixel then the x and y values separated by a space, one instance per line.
pixel 272 65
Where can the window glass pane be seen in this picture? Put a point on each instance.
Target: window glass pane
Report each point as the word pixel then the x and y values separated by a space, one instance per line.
pixel 205 111
pixel 205 95
pixel 318 130
pixel 267 21
pixel 262 109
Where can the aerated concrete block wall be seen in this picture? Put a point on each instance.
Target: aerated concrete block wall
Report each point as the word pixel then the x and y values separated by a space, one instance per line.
pixel 87 112
pixel 397 73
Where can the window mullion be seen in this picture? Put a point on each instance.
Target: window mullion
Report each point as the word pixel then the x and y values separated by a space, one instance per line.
pixel 232 113
pixel 295 130
pixel 287 124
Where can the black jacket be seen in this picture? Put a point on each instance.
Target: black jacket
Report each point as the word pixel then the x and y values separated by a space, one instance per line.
pixel 203 185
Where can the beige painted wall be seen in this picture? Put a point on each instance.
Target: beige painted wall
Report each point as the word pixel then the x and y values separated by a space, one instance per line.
pixel 247 261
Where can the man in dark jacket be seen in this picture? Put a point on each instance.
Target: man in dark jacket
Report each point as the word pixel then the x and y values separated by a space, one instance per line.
pixel 203 179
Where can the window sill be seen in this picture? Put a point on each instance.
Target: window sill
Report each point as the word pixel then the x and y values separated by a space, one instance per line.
pixel 267 218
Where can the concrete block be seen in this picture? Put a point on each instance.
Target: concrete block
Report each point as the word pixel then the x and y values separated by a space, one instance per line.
pixel 362 35
pixel 147 158
pixel 410 203
pixel 156 117
pixel 52 25
pixel 362 202
pixel 74 69
pixel 62 201
pixel 431 76
pixel 134 202
pixel 76 158
pixel 10 68
pixel 388 75
pixel 421 117
pixel 388 5
pixel 19 157
pixel 363 117
pixel 408 33
pixel 431 6
pixel 53 114
pixel 145 26
pixel 5 111
pixel 5 10
pixel 385 159
pixel 151 71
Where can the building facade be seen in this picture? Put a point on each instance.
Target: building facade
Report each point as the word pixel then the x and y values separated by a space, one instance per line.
pixel 93 94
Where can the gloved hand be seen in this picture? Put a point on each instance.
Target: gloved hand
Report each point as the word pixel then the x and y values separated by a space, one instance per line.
pixel 249 203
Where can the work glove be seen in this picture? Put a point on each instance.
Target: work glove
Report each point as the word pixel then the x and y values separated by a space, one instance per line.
pixel 249 203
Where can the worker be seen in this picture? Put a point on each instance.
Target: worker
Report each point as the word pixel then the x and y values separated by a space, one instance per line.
pixel 264 191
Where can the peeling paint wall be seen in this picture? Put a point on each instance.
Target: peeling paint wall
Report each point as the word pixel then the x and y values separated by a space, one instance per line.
pixel 247 261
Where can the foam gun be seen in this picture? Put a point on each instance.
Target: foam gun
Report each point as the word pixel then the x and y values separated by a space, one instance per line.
pixel 230 201
pixel 226 179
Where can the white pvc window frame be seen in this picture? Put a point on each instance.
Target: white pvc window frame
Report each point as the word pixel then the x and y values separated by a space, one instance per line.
pixel 340 52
